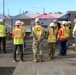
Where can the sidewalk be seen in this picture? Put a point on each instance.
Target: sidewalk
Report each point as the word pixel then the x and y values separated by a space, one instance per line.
pixel 61 65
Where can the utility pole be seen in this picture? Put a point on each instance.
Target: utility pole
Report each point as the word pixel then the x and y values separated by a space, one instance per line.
pixel 19 11
pixel 3 7
pixel 8 12
pixel 43 10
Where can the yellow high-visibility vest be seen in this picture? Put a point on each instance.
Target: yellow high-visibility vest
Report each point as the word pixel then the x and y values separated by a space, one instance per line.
pixel 74 30
pixel 56 28
pixel 18 36
pixel 65 33
pixel 38 30
pixel 2 31
pixel 52 35
pixel 67 29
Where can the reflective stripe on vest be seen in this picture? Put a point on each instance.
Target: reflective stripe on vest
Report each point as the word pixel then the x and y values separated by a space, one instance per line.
pixel 18 36
pixel 23 29
pixel 38 30
pixel 52 36
pixel 2 31
pixel 68 31
pixel 56 28
pixel 65 33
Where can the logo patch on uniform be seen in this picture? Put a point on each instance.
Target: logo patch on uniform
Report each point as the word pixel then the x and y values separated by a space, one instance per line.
pixel 38 28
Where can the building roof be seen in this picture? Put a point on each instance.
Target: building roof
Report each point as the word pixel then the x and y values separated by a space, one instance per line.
pixel 21 16
pixel 63 18
pixel 33 15
pixel 57 15
pixel 29 16
pixel 2 17
pixel 43 16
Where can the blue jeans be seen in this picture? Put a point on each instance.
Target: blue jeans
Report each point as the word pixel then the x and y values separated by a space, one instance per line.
pixel 24 43
pixel 67 44
pixel 63 47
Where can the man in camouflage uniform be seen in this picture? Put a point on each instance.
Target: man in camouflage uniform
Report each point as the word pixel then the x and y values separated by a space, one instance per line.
pixel 38 34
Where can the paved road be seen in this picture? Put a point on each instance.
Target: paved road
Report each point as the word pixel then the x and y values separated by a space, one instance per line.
pixel 58 66
pixel 65 65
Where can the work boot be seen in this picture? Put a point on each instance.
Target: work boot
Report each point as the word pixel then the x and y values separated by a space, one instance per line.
pixel 41 58
pixel 52 56
pixel 49 56
pixel 35 59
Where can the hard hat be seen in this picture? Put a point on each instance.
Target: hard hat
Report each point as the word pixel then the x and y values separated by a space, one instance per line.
pixel 55 21
pixel 37 20
pixel 69 22
pixel 73 44
pixel 1 21
pixel 63 22
pixel 18 22
pixel 66 22
pixel 22 23
pixel 51 24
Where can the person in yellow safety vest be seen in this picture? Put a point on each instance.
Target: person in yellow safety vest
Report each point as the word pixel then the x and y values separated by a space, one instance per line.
pixel 68 27
pixel 74 33
pixel 74 29
pixel 51 40
pixel 24 30
pixel 18 36
pixel 56 25
pixel 63 35
pixel 2 35
pixel 69 23
pixel 38 35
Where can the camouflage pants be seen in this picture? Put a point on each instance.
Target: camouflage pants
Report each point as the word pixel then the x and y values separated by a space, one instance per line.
pixel 51 48
pixel 37 47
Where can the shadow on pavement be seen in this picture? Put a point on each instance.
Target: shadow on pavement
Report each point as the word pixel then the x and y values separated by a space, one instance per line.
pixel 6 70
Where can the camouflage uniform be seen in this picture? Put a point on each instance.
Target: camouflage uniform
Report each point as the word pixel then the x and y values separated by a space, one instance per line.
pixel 37 45
pixel 51 44
pixel 51 49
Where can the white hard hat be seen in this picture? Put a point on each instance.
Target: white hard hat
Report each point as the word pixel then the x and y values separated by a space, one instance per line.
pixel 51 24
pixel 69 22
pixel 63 22
pixel 37 20
pixel 18 22
pixel 66 22
pixel 73 44
pixel 22 23
pixel 55 21
pixel 1 21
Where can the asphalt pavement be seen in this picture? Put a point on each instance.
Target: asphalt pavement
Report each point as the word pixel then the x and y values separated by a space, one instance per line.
pixel 61 65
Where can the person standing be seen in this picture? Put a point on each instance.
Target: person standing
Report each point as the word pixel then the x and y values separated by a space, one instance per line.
pixel 2 35
pixel 56 24
pixel 18 36
pixel 68 27
pixel 63 35
pixel 74 32
pixel 24 30
pixel 74 29
pixel 51 40
pixel 38 35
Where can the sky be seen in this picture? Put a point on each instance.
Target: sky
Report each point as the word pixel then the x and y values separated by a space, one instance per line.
pixel 15 7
